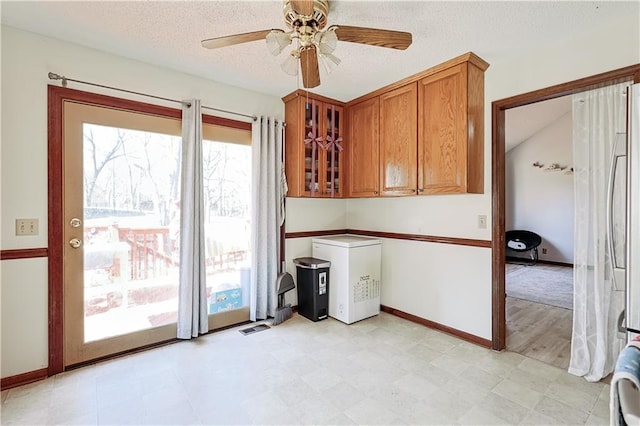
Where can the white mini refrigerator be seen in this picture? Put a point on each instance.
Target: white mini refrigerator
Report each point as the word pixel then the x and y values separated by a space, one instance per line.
pixel 354 283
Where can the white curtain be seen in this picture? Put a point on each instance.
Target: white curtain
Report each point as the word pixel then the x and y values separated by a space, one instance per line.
pixel 266 215
pixel 598 115
pixel 192 305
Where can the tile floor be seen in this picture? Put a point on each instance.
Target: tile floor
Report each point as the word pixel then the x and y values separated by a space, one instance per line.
pixel 383 370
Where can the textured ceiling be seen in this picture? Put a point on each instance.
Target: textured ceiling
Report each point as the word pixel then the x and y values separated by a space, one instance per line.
pixel 168 33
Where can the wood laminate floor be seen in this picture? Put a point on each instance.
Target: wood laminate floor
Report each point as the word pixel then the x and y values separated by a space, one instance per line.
pixel 539 331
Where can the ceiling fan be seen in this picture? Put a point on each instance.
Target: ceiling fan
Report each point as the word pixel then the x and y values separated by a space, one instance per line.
pixel 306 21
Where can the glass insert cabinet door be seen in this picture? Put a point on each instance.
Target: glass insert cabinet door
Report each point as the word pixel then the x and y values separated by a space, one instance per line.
pixel 334 150
pixel 323 149
pixel 312 146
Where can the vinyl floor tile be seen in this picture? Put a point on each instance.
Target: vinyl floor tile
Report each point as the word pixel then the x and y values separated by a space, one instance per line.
pixel 383 370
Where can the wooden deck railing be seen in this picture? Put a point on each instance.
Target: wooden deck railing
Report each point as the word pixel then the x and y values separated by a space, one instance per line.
pixel 151 250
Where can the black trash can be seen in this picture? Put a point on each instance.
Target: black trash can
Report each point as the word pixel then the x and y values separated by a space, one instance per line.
pixel 313 287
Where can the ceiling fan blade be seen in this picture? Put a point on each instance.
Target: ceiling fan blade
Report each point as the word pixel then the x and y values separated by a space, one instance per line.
pixel 375 37
pixel 302 7
pixel 214 43
pixel 309 67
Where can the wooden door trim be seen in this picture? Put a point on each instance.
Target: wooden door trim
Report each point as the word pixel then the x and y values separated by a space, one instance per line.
pixel 498 109
pixel 56 97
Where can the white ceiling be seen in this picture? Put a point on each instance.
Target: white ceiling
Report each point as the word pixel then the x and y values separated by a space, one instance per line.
pixel 523 122
pixel 168 33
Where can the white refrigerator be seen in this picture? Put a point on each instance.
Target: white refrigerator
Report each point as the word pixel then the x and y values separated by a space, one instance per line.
pixel 624 241
pixel 354 277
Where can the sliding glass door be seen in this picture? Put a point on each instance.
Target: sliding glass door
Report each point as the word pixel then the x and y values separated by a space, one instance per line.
pixel 122 228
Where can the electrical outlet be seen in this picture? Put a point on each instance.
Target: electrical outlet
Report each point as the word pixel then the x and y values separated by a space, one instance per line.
pixel 26 226
pixel 544 250
pixel 482 221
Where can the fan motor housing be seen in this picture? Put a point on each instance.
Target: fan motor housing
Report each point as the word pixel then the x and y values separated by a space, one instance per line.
pixel 319 16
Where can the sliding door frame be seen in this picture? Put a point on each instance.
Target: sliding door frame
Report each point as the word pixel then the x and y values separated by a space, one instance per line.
pixel 56 98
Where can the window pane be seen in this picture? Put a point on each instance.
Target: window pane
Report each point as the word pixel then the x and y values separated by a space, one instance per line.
pixel 227 197
pixel 131 230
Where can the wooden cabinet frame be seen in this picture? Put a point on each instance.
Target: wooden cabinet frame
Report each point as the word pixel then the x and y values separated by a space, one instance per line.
pixel 298 165
pixel 396 145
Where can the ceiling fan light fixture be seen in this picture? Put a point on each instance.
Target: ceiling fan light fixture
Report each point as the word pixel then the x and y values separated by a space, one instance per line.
pixel 327 41
pixel 277 41
pixel 290 65
pixel 329 62
pixel 313 42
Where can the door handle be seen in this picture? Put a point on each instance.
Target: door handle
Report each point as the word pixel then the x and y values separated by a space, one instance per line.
pixel 609 211
pixel 621 326
pixel 75 243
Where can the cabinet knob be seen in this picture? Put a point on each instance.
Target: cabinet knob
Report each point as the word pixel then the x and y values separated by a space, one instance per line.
pixel 421 190
pixel 413 190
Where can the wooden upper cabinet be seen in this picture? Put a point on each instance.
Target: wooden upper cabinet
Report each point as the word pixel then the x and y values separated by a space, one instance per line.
pixel 314 146
pixel 399 141
pixel 363 145
pixel 422 135
pixel 451 131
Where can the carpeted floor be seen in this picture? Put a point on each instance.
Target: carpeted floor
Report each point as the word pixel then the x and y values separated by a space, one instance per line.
pixel 541 283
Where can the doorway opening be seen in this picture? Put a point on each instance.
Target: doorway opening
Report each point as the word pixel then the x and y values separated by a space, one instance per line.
pixel 499 109
pixel 539 220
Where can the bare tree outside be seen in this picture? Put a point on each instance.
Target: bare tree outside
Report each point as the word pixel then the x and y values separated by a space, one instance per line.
pixel 132 227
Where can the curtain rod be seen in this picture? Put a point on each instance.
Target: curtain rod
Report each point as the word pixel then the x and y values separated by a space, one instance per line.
pixel 53 76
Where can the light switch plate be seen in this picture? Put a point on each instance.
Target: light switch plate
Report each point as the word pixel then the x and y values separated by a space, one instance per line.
pixel 26 226
pixel 482 221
